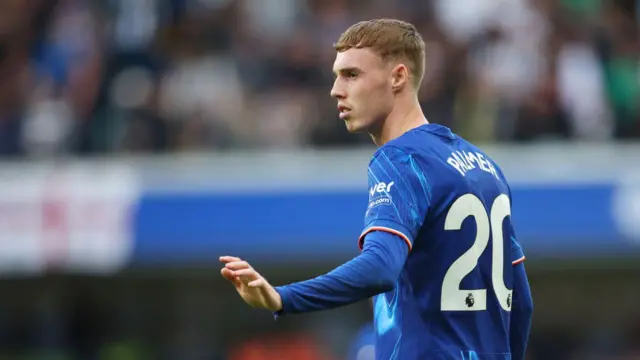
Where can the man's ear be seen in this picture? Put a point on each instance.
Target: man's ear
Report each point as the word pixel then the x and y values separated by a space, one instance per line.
pixel 399 77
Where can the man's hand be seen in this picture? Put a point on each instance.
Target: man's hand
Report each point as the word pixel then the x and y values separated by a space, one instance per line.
pixel 252 287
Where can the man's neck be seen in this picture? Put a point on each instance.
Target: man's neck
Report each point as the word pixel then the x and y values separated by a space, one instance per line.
pixel 403 118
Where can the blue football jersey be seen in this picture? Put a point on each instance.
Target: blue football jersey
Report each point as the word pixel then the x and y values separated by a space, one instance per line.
pixel 451 204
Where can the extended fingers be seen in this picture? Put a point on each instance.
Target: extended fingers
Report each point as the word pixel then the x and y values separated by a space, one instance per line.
pixel 237 271
pixel 228 259
pixel 245 273
pixel 237 265
pixel 228 274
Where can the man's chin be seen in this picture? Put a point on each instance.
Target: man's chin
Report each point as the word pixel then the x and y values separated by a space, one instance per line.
pixel 353 127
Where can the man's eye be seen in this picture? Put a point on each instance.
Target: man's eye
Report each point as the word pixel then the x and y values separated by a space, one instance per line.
pixel 352 74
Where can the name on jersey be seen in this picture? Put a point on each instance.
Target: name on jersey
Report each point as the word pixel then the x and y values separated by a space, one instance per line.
pixel 464 162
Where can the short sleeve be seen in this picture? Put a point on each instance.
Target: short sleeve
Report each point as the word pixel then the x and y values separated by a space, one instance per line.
pixel 399 195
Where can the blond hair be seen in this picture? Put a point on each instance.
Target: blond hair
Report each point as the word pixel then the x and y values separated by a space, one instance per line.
pixel 392 40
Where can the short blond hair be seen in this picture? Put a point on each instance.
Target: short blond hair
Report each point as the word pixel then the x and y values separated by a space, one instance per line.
pixel 391 39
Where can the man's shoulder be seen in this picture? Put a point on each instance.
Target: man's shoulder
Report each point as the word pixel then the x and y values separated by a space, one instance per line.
pixel 404 147
pixel 390 150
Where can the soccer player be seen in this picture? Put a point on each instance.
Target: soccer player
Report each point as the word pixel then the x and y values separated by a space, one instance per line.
pixel 439 251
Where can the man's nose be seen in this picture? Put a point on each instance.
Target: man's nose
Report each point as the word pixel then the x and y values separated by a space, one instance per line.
pixel 337 91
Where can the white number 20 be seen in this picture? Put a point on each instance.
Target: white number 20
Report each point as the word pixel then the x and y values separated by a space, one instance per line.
pixel 455 299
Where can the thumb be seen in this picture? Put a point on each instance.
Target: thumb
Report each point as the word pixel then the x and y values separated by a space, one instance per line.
pixel 228 274
pixel 260 282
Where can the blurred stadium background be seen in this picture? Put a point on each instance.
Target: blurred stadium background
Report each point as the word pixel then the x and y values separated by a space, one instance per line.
pixel 141 139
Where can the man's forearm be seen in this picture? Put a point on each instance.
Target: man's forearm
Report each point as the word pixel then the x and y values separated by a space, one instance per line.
pixel 374 271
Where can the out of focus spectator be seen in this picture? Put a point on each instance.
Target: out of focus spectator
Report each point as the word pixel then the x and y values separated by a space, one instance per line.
pixel 96 77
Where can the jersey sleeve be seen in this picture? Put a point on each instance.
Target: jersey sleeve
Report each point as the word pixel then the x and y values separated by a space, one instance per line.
pixel 399 195
pixel 517 255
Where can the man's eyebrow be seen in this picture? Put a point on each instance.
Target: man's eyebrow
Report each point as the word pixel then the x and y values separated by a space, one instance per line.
pixel 346 70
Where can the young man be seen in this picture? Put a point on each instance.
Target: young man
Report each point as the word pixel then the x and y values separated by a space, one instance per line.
pixel 438 248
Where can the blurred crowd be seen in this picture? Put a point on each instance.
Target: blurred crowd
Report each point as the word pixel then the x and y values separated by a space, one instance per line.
pixel 114 76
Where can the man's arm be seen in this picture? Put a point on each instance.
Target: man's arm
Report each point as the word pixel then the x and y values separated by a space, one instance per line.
pixel 399 198
pixel 521 313
pixel 398 202
pixel 375 270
